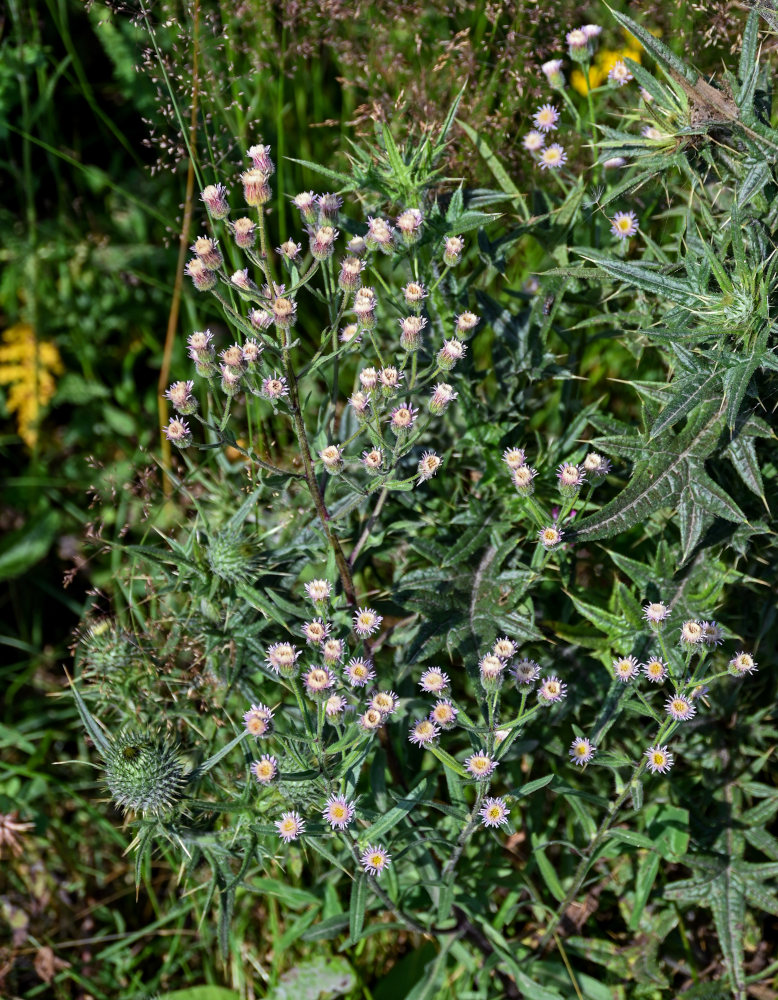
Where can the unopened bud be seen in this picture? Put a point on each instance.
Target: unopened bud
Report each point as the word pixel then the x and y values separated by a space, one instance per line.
pixel 204 280
pixel 245 233
pixel 215 199
pixel 452 250
pixel 256 190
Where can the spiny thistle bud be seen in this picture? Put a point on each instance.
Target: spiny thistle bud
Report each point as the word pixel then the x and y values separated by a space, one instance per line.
pixel 289 251
pixel 428 466
pixel 452 250
pixel 144 774
pixel 332 457
pixel 553 73
pixel 251 353
pixel 215 199
pixel 284 312
pixel 359 402
pixel 245 233
pixel 229 556
pixel 442 395
pixel 523 480
pixel 373 461
pixel 203 279
pixel 256 190
pixel 466 323
pixel 329 206
pixel 451 352
pixel 207 250
pixel 105 647
pixel 178 432
pixel 323 242
pixel 409 224
pixel 350 273
pixel 380 235
pixel 180 395
pixel 390 380
pixel 306 203
pixel 356 246
pixel 260 319
pixel 231 380
pixel 260 158
pixel 414 293
pixel 365 302
pixel 410 338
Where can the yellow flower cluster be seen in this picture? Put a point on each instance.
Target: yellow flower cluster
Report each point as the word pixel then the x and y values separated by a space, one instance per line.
pixel 604 61
pixel 29 367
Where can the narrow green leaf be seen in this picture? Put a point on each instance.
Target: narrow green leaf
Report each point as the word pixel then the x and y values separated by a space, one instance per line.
pixel 357 907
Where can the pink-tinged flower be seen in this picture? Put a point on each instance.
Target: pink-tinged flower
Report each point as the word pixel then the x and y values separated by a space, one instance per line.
pixel 550 537
pixel 625 668
pixel 552 70
pixel 359 672
pixel 428 466
pixel 329 206
pixel 434 681
pixel 316 631
pixel 466 322
pixel 365 304
pixel 371 719
pixel 553 157
pixel 384 702
pixel 491 669
pixel 360 404
pixel 453 247
pixel 208 251
pixel 322 242
pixel 551 690
pixel 659 759
pixel 712 634
pixel 526 672
pixel 368 378
pixel 200 345
pixel 305 202
pixel 231 379
pixel 411 328
pixel 741 664
pixel 251 353
pixel 581 751
pixel 350 276
pixel 319 682
pixel 290 826
pixel 350 334
pixel 260 319
pixel 338 812
pixel 444 714
pixel 375 859
pixel 402 418
pixel 265 769
pixel 450 353
pixel 333 650
pixel 334 707
pixel 366 621
pixel 494 812
pixel 409 223
pixel 423 731
pixel 679 708
pixel 203 279
pixel 523 480
pixel 514 458
pixel 274 387
pixel 256 190
pixel 373 461
pixel 505 648
pixel 245 232
pixel 290 251
pixel 380 235
pixel 284 312
pixel 332 457
pixel 655 670
pixel 357 246
pixel 596 465
pixel 442 395
pixel 578 44
pixel 260 159
pixel 258 720
pixel 282 657
pixel 318 591
pixel 180 395
pixel 700 691
pixel 571 478
pixel 592 31
pixel 691 634
pixel 480 765
pixel 613 162
pixel 177 431
pixel 545 118
pixel 414 293
pixel 619 73
pixel 655 613
pixel 214 197
pixel 624 225
pixel 232 356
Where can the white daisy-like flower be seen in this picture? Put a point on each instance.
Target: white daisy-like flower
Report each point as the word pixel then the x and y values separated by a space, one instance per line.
pixel 553 157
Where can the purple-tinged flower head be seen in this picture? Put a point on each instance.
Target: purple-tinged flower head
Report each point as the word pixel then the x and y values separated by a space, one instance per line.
pixel 655 613
pixel 384 702
pixel 429 463
pixel 232 356
pixel 260 319
pixel 553 157
pixel 289 251
pixel 373 461
pixel 371 719
pixel 203 279
pixel 411 328
pixel 619 73
pixel 712 634
pixel 592 31
pixel 525 672
pixel 274 387
pixel 350 276
pixel 319 591
pixel 251 352
pixel 466 322
pixel 284 312
pixel 505 648
pixel 256 190
pixel 368 379
pixel 177 432
pixel 409 224
pixel 624 225
pixel 319 682
pixel 380 235
pixel 423 731
pixel 214 197
pixel 207 250
pixel 366 621
pixel 316 631
pixel 552 70
pixel 578 45
pixel 742 664
pixel 453 246
pixel 571 479
pixel 534 141
pixel 265 770
pixel 350 334
pixel 531 286
pixel 414 293
pixel 258 720
pixel 444 714
pixel 365 302
pixel 700 691
pixel 333 650
pixel 550 537
pixel 596 466
pixel 480 765
pixel 680 709
pixel 390 379
pixel 338 812
pixel 290 826
pixel 329 206
pixel 305 202
pixel 494 812
pixel 523 480
pixel 514 458
pixel 442 395
pixel 322 242
pixel 613 162
pixel 402 418
pixel 180 395
pixel 360 404
pixel 357 246
pixel 450 353
pixel 650 132
pixel 200 344
pixel 244 232
pixel 332 457
pixel 282 658
pixel 551 690
pixel 260 159
pixel 243 284
pixel 434 681
pixel 545 118
pixel 334 707
pixel 359 671
pixel 581 751
pixel 655 670
pixel 691 635
pixel 491 669
pixel 625 668
pixel 375 859
pixel 659 759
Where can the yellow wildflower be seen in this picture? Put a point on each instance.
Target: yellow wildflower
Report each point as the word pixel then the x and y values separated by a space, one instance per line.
pixel 28 367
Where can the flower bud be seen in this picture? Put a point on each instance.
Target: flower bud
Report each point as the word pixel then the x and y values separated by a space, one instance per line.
pixel 241 281
pixel 256 190
pixel 414 293
pixel 368 378
pixel 452 250
pixel 245 232
pixel 409 223
pixel 177 431
pixel 372 461
pixel 260 319
pixel 323 242
pixel 365 302
pixel 390 380
pixel 350 273
pixel 356 246
pixel 144 774
pixel 360 403
pixel 231 380
pixel 450 353
pixel 553 73
pixel 290 251
pixel 380 235
pixel 204 280
pixel 180 395
pixel 260 159
pixel 252 352
pixel 207 250
pixel 442 395
pixel 428 466
pixel 329 206
pixel 578 45
pixel 466 323
pixel 284 312
pixel 332 458
pixel 410 338
pixel 215 199
pixel 306 203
